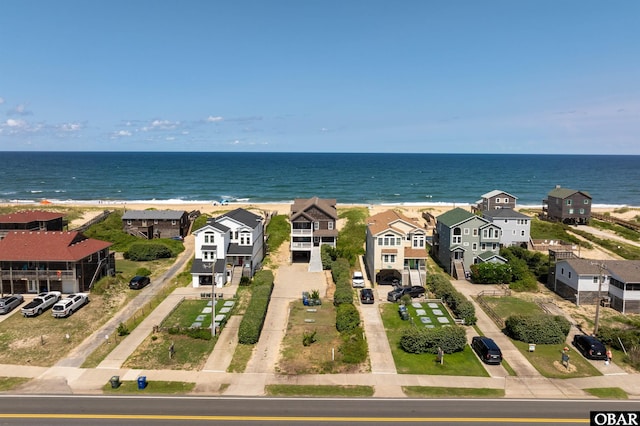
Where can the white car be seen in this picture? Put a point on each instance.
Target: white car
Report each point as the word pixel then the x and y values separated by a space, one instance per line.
pixel 69 305
pixel 40 303
pixel 358 279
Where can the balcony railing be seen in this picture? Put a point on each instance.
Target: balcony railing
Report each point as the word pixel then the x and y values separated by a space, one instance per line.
pixel 298 232
pixel 301 246
pixel 31 274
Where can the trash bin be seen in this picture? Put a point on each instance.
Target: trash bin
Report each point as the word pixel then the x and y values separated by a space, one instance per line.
pixel 142 382
pixel 115 382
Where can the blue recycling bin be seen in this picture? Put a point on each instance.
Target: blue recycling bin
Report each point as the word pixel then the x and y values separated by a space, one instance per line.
pixel 142 382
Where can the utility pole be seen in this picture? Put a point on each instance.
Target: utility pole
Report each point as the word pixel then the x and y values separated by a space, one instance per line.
pixel 601 267
pixel 213 300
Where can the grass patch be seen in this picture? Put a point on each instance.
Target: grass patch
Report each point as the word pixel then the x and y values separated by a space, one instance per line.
pixel 42 341
pixel 316 358
pixel 543 230
pixel 624 250
pixel 8 383
pixel 322 390
pixel 619 230
pixel 547 360
pixel 153 387
pixel 463 363
pixel 508 305
pixel 278 232
pixel 241 358
pixel 608 393
pixel 442 392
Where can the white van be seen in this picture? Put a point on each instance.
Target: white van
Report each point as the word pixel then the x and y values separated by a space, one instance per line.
pixel 358 279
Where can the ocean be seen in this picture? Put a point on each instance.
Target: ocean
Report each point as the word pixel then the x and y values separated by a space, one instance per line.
pixel 412 179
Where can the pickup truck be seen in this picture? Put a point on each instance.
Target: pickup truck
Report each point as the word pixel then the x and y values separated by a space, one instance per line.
pixel 65 307
pixel 40 303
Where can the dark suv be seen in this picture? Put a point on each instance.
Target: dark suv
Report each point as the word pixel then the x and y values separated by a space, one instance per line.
pixel 487 349
pixel 366 296
pixel 413 291
pixel 138 282
pixel 590 347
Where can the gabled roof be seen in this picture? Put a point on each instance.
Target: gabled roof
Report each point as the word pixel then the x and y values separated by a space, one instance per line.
pixel 455 216
pixel 242 216
pixel 48 246
pixel 200 267
pixel 559 192
pixel 212 226
pixel 27 216
pixel 505 213
pixel 384 221
pixel 626 270
pixel 153 214
pixel 301 205
pixel 497 192
pixel 488 255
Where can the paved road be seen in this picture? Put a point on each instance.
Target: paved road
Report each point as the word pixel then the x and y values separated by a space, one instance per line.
pixel 177 410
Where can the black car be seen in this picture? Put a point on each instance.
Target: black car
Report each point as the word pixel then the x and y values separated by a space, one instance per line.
pixel 366 296
pixel 413 291
pixel 487 349
pixel 590 347
pixel 139 282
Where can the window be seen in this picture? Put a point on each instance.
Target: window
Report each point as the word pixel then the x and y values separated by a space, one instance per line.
pixel 129 222
pixel 245 239
pixel 388 258
pixel 456 240
pixel 581 211
pixel 466 244
pixel 418 241
pixel 506 200
pixel 522 233
pixel 208 237
pixel 475 232
pixel 316 225
pixel 498 200
pixel 561 271
pixel 513 232
pixel 586 201
pixel 208 255
pixel 570 211
pixel 483 247
pixel 569 274
pixel 330 225
pixel 474 246
pixel 380 241
pixel 155 221
pixel 569 201
pixel 173 222
pixel 595 280
pixel 466 231
pixel 494 246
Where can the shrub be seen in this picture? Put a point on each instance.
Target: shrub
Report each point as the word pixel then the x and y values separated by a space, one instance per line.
pixel 308 338
pixel 536 328
pixel 327 256
pixel 193 332
pixel 347 317
pixel 491 273
pixel 143 272
pixel 527 283
pixel 353 347
pixel 442 288
pixel 343 296
pixel 245 281
pixel 609 336
pixel 427 340
pixel 341 272
pixel 147 251
pixel 122 329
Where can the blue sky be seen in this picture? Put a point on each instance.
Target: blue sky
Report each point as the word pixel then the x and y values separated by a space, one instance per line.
pixel 331 76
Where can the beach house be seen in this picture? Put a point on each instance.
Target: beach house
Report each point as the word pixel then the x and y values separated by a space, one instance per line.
pixel 567 206
pixel 588 282
pixel 395 249
pixel 31 220
pixel 228 246
pixel 515 227
pixel 495 200
pixel 462 238
pixel 69 262
pixel 151 224
pixel 313 223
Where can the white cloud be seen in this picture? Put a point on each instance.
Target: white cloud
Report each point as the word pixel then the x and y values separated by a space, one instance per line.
pixel 121 134
pixel 16 123
pixel 70 127
pixel 160 125
pixel 1 100
pixel 20 109
pixel 214 119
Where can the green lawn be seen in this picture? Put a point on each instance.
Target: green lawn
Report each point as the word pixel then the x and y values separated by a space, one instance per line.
pixel 463 363
pixel 608 393
pixel 153 387
pixel 448 392
pixel 509 305
pixel 429 313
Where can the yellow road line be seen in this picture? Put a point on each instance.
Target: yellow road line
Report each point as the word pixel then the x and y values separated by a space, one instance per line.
pixel 290 418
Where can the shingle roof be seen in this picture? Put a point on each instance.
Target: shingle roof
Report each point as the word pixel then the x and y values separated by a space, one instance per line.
pixel 242 216
pixel 382 221
pixel 327 205
pixel 504 214
pixel 497 192
pixel 200 267
pixel 27 216
pixel 153 214
pixel 626 270
pixel 48 246
pixel 453 217
pixel 563 193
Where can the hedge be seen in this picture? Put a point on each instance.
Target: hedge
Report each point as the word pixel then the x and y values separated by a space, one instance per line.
pixel 461 307
pixel 609 336
pixel 147 251
pixel 427 340
pixel 253 319
pixel 538 328
pixel 347 317
pixel 353 347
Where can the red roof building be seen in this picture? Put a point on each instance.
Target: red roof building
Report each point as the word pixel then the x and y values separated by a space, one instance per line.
pixel 70 262
pixel 31 220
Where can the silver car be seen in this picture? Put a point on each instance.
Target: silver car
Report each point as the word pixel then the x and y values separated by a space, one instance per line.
pixel 9 303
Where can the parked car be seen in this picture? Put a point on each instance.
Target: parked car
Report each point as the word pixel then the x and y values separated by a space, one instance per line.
pixel 139 282
pixel 590 347
pixel 357 280
pixel 9 303
pixel 67 306
pixel 487 349
pixel 388 280
pixel 40 303
pixel 366 296
pixel 413 291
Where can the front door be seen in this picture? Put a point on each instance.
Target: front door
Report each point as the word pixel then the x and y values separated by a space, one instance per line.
pixel 32 286
pixel 316 241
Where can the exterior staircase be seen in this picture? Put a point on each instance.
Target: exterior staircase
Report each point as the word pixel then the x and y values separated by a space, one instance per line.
pixel 459 270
